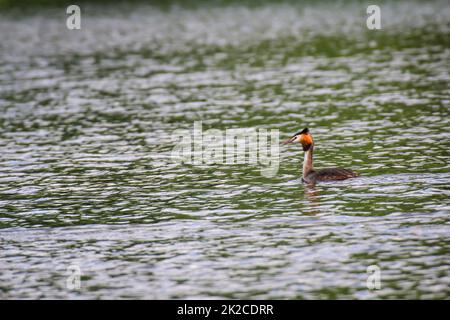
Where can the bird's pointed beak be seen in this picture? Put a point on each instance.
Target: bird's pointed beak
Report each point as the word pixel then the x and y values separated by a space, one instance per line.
pixel 290 140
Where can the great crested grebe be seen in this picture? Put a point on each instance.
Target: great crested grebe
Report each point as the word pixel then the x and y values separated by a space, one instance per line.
pixel 309 174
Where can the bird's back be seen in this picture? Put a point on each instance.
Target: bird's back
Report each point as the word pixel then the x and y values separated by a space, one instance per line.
pixel 331 174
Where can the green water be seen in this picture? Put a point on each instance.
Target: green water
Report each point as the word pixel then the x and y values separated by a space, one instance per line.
pixel 87 119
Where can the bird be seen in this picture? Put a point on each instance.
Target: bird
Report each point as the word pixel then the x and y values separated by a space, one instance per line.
pixel 311 176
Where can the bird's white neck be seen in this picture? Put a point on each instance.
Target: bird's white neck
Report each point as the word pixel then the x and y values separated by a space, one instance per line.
pixel 308 161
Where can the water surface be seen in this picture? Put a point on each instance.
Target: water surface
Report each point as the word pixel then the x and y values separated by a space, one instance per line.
pixel 87 179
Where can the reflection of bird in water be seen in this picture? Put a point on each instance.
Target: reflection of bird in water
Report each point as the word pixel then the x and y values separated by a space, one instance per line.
pixel 312 194
pixel 309 174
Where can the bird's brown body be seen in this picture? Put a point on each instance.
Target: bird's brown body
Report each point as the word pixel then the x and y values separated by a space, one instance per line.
pixel 329 174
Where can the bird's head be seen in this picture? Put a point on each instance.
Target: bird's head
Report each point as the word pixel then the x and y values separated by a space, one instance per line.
pixel 304 137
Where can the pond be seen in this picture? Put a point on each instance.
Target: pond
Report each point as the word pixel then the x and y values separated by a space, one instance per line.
pixel 88 123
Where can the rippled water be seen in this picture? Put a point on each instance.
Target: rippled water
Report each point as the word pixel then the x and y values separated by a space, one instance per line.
pixel 87 179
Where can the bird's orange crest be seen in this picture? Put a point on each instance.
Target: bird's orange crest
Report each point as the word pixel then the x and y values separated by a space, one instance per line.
pixel 306 138
pixel 306 141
